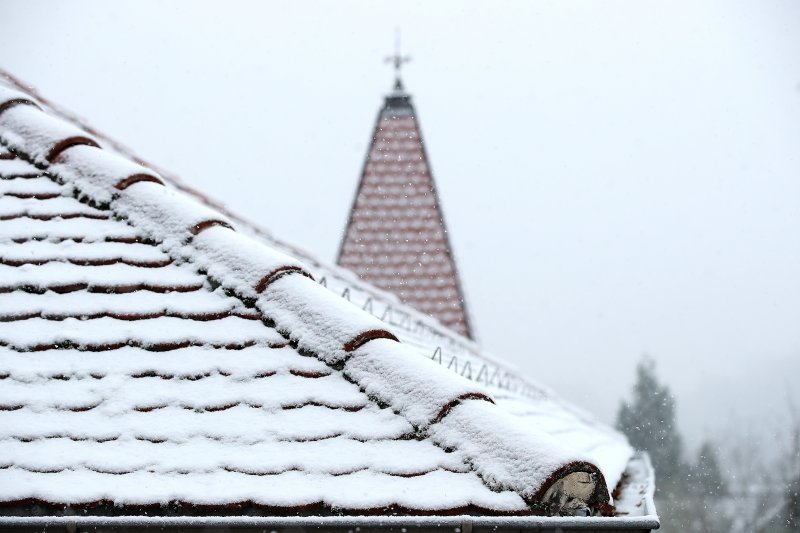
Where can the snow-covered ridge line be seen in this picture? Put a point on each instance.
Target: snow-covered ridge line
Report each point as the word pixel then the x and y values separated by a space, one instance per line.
pixel 417 327
pixel 508 456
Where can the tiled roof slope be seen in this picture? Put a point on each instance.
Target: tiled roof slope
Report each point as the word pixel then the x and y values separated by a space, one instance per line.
pixel 396 238
pixel 425 333
pixel 153 349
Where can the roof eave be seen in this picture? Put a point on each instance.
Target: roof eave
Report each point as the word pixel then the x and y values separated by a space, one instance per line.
pixel 245 523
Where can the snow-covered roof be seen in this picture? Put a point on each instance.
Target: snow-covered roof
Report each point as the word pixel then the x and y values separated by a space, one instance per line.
pixel 154 353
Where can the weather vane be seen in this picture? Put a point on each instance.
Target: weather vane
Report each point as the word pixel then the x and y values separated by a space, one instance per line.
pixel 397 60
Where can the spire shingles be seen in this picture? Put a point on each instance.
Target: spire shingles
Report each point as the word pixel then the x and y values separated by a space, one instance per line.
pixel 396 237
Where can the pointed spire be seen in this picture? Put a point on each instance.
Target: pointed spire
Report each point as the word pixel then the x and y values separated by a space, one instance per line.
pixel 396 238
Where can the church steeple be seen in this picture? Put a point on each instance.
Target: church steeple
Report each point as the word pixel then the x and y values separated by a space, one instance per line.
pixel 396 238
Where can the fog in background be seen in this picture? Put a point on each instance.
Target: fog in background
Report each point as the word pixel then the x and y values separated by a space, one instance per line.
pixel 618 178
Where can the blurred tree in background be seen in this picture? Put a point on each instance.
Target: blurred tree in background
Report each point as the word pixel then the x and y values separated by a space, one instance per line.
pixel 792 512
pixel 648 421
pixel 737 488
pixel 793 505
pixel 687 494
pixel 708 480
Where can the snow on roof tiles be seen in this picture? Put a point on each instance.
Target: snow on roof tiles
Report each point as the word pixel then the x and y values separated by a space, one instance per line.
pixel 101 172
pixel 141 397
pixel 40 135
pixel 150 354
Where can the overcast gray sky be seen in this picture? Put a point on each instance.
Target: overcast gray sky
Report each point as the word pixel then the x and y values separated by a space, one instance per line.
pixel 618 178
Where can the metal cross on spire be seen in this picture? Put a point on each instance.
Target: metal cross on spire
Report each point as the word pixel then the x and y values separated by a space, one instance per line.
pixel 397 60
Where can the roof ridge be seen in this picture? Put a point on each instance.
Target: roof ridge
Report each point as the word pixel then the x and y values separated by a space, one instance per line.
pixel 336 271
pixel 456 342
pixel 452 411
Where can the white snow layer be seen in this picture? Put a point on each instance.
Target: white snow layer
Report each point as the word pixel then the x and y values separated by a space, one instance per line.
pixel 213 393
pixel 95 172
pixel 74 228
pixel 81 251
pixel 606 448
pixel 7 94
pixel 360 490
pixel 316 319
pixel 166 214
pixel 37 332
pixel 11 206
pixel 34 132
pixel 268 457
pixel 510 455
pixel 415 387
pixel 17 167
pixel 180 421
pixel 60 273
pixel 137 304
pixel 192 363
pixel 28 186
pixel 237 261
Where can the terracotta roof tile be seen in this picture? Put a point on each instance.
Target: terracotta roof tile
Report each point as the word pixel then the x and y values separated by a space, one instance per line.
pixel 144 360
pixel 170 395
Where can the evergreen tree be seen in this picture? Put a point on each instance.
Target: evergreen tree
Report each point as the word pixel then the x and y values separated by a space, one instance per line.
pixel 707 474
pixel 648 421
pixel 792 510
pixel 793 504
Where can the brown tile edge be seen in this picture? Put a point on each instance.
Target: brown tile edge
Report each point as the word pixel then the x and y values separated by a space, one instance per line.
pixel 8 104
pixel 362 338
pixel 69 142
pixel 278 273
pixel 445 410
pixel 136 178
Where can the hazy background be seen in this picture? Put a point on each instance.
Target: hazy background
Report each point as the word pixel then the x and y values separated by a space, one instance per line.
pixel 618 178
